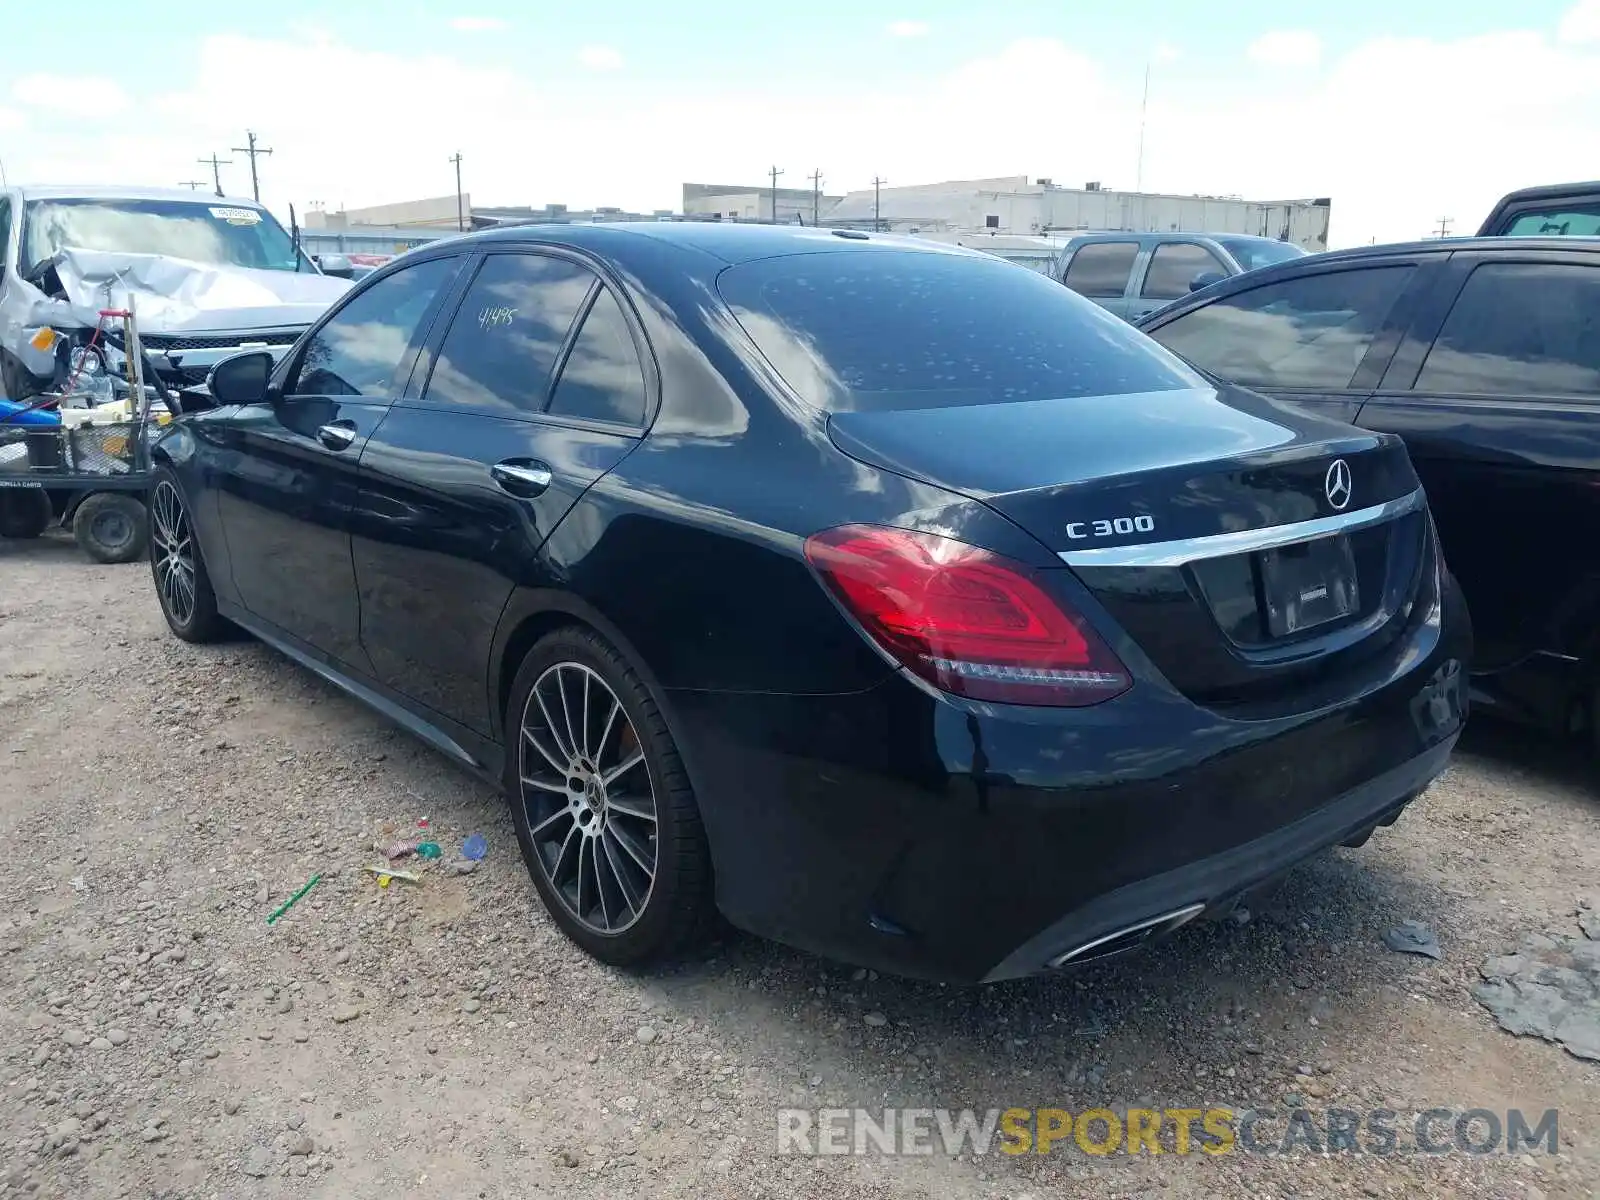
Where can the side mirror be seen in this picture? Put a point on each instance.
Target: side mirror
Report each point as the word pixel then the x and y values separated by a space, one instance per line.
pixel 1205 279
pixel 242 378
pixel 337 265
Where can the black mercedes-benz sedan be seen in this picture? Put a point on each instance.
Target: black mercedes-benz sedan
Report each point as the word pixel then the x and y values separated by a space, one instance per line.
pixel 891 599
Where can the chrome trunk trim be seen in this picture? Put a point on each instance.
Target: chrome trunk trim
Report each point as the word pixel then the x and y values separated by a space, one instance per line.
pixel 1180 551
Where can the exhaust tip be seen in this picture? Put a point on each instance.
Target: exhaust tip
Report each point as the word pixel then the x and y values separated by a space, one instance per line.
pixel 1129 936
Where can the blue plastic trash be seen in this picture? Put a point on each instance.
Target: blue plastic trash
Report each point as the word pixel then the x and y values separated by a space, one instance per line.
pixel 11 413
pixel 475 847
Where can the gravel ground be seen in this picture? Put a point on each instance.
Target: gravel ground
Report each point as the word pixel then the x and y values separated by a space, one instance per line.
pixel 443 1039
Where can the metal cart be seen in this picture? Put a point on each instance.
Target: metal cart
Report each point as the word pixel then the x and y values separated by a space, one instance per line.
pixel 93 476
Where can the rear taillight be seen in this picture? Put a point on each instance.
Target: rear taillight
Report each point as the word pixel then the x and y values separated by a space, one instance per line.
pixel 966 620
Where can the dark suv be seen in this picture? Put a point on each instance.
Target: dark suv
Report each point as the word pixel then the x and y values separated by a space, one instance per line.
pixel 1133 274
pixel 1484 355
pixel 1552 209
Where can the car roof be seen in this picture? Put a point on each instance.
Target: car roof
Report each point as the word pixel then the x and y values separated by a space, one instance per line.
pixel 727 241
pixel 1168 235
pixel 1444 245
pixel 98 191
pixel 1312 263
pixel 1548 191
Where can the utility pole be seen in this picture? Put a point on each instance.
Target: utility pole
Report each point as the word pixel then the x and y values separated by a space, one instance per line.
pixel 192 184
pixel 816 196
pixel 216 164
pixel 1144 105
pixel 461 213
pixel 1444 227
pixel 877 204
pixel 255 185
pixel 774 173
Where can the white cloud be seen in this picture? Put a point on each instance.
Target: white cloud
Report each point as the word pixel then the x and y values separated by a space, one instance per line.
pixel 1286 48
pixel 908 29
pixel 477 24
pixel 1166 52
pixel 601 58
pixel 10 119
pixel 1581 25
pixel 73 96
pixel 1532 99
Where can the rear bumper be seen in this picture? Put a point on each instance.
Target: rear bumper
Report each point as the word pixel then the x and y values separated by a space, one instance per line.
pixel 1213 884
pixel 927 837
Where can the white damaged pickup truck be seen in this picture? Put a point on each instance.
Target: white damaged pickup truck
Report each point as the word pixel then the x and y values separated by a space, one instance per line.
pixel 208 276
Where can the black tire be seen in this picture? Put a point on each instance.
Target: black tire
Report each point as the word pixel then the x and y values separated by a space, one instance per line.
pixel 112 527
pixel 183 588
pixel 674 910
pixel 24 512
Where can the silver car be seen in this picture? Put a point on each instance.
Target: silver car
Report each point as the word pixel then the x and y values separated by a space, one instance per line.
pixel 209 276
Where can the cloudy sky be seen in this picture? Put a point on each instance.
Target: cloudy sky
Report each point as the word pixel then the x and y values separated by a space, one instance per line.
pixel 1401 112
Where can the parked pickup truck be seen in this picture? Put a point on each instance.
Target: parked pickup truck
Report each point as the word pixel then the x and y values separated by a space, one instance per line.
pixel 209 277
pixel 1133 274
pixel 1553 209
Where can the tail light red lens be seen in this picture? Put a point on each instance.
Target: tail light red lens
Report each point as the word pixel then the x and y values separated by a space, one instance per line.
pixel 966 620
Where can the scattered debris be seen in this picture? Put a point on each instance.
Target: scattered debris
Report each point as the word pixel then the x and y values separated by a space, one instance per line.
pixel 292 900
pixel 385 874
pixel 429 850
pixel 465 866
pixel 1549 988
pixel 475 847
pixel 1413 937
pixel 400 850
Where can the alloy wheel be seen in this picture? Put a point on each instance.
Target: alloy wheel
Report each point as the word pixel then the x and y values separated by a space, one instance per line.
pixel 588 798
pixel 174 553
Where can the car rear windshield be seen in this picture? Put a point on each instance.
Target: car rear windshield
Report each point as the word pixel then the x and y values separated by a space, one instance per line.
pixel 1566 220
pixel 216 232
pixel 1259 252
pixel 876 330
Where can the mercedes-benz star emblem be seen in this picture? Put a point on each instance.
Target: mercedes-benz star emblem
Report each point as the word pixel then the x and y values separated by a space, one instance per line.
pixel 1336 483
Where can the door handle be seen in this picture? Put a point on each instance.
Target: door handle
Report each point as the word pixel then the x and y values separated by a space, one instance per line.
pixel 522 478
pixel 337 435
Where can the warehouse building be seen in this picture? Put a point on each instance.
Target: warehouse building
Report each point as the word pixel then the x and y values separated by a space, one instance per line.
pixel 1014 205
pixel 741 202
pixel 453 214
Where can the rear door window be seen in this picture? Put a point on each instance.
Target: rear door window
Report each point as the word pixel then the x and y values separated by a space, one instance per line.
pixel 1101 269
pixel 1173 268
pixel 508 334
pixel 878 330
pixel 1520 329
pixel 603 378
pixel 1308 332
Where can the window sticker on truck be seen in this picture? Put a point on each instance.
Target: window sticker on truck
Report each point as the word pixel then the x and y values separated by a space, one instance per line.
pixel 237 216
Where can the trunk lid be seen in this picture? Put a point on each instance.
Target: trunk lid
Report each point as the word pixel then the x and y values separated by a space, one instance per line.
pixel 1242 545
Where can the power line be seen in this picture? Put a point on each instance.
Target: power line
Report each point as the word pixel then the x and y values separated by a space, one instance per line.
pixel 816 195
pixel 461 213
pixel 774 173
pixel 193 185
pixel 216 164
pixel 877 203
pixel 255 186
pixel 1444 227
